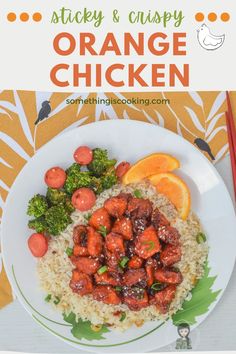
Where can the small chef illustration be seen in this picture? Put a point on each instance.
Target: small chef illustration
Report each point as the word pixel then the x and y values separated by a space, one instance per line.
pixel 184 342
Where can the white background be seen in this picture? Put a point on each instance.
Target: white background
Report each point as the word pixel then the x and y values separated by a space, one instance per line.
pixel 27 54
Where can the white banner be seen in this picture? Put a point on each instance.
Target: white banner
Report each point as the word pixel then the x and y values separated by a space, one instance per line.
pixel 117 46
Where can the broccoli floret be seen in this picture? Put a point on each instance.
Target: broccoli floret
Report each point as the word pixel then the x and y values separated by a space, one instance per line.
pixel 97 168
pixel 77 180
pixel 74 168
pixel 100 163
pixel 68 206
pixel 109 179
pixel 57 219
pixel 55 196
pixel 37 206
pixel 39 224
pixel 96 185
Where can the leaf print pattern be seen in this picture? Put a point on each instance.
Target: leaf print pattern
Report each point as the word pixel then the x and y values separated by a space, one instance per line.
pixel 3 111
pixel 161 120
pixel 196 98
pixel 14 146
pixel 222 152
pixel 195 119
pixel 220 99
pixel 189 114
pixel 202 297
pixel 214 133
pixel 5 163
pixel 23 119
pixel 213 123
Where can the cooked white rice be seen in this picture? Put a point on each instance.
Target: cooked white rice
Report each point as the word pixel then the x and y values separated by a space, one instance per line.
pixel 55 268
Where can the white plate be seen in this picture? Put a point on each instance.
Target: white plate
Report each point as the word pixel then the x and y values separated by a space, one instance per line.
pixel 125 140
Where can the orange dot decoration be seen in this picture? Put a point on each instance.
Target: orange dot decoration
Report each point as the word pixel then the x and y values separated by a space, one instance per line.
pixel 212 16
pixel 11 17
pixel 199 17
pixel 225 17
pixel 24 17
pixel 37 17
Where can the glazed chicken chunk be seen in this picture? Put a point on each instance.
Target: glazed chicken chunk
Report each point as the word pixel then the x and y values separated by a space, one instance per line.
pixel 127 254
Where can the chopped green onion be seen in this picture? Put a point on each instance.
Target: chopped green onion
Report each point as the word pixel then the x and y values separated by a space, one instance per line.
pixel 102 270
pixel 48 298
pixel 201 237
pixel 151 245
pixel 57 300
pixel 157 286
pixel 121 270
pixel 123 316
pixel 137 193
pixel 103 230
pixel 69 251
pixel 124 261
pixel 88 216
pixel 118 288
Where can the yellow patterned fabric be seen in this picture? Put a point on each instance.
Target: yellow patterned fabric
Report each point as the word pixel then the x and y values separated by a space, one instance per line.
pixel 190 114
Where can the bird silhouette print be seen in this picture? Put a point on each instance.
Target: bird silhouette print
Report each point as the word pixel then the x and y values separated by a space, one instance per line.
pixel 44 112
pixel 208 40
pixel 202 145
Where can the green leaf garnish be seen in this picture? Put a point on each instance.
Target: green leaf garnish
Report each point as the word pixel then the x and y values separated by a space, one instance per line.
pixel 123 316
pixel 137 193
pixel 48 298
pixel 202 298
pixel 102 270
pixel 57 300
pixel 71 318
pixel 82 329
pixel 124 261
pixel 201 237
pixel 103 230
pixel 150 244
pixel 69 251
pixel 87 216
pixel 118 288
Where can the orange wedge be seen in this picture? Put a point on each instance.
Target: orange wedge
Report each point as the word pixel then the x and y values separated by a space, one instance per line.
pixel 175 189
pixel 150 165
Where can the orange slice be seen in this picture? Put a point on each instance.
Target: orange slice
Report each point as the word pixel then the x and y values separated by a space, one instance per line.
pixel 150 165
pixel 175 189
